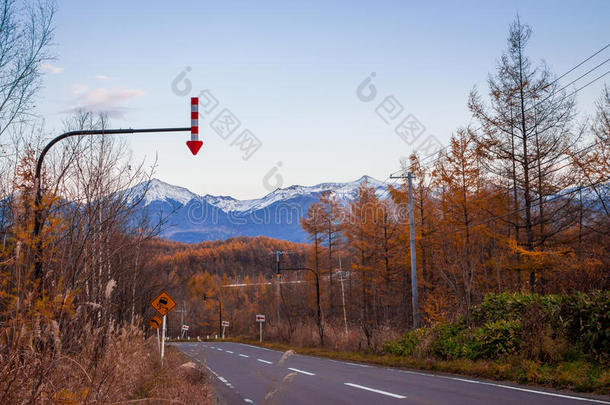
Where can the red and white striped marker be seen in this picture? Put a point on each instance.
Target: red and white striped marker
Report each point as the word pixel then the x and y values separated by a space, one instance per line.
pixel 194 144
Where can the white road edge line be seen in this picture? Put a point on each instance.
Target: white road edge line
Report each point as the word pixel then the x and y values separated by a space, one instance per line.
pixel 356 364
pixel 510 387
pixel 362 387
pixel 300 371
pixel 265 361
pixel 243 355
pixel 528 390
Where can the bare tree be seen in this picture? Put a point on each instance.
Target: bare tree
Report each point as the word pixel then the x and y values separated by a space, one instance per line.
pixel 26 32
pixel 525 131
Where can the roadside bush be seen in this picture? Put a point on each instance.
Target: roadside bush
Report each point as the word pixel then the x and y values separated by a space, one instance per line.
pixel 587 321
pixel 496 339
pixel 452 341
pixel 549 328
pixel 512 306
pixel 405 346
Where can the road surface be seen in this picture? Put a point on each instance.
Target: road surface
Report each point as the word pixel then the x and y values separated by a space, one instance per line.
pixel 246 374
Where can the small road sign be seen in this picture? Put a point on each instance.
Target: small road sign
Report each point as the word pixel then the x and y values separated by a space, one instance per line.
pixel 185 327
pixel 155 322
pixel 225 323
pixel 260 319
pixel 163 303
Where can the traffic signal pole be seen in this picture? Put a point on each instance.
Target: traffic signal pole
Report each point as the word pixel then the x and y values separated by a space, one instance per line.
pixel 38 220
pixel 318 306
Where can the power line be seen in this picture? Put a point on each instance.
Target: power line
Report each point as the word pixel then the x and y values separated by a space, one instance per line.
pixel 568 85
pixel 550 84
pixel 581 63
pixel 584 149
pixel 563 98
pixel 557 196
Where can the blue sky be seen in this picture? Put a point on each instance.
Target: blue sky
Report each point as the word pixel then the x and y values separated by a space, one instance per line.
pixel 289 72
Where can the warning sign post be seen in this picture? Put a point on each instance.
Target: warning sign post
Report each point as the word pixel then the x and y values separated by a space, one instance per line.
pixel 163 303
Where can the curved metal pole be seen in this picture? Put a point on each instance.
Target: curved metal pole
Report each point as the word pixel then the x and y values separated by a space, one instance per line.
pixel 317 297
pixel 37 181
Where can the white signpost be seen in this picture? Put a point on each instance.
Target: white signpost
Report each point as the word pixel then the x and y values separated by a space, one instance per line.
pixel 224 325
pixel 185 329
pixel 260 319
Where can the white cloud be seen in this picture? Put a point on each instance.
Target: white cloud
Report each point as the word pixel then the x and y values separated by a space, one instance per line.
pixel 102 77
pixel 103 100
pixel 47 67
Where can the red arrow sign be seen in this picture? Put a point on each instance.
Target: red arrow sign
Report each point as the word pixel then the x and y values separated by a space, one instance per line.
pixel 194 144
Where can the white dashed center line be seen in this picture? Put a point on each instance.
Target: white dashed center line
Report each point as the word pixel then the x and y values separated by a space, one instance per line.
pixel 229 351
pixel 300 371
pixel 243 355
pixel 264 361
pixel 389 394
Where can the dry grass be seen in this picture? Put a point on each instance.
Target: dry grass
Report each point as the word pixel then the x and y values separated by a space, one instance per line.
pixel 179 382
pixel 45 364
pixel 335 338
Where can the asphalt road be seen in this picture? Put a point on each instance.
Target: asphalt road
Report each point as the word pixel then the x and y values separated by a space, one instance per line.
pixel 246 374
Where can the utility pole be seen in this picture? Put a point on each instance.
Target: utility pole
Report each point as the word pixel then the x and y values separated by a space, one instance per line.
pixel 277 284
pixel 341 275
pixel 414 300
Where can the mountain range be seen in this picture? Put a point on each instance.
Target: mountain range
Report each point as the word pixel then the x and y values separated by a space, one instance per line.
pixel 190 218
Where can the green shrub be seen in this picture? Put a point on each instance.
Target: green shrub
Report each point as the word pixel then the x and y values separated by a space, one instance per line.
pixel 587 321
pixel 512 306
pixel 450 341
pixel 406 345
pixel 497 339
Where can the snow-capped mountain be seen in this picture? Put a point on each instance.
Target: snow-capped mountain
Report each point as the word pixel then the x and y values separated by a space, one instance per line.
pixel 194 218
pixel 344 192
pixel 157 190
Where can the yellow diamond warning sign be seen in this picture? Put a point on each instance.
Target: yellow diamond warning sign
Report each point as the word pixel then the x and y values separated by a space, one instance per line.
pixel 155 322
pixel 163 303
